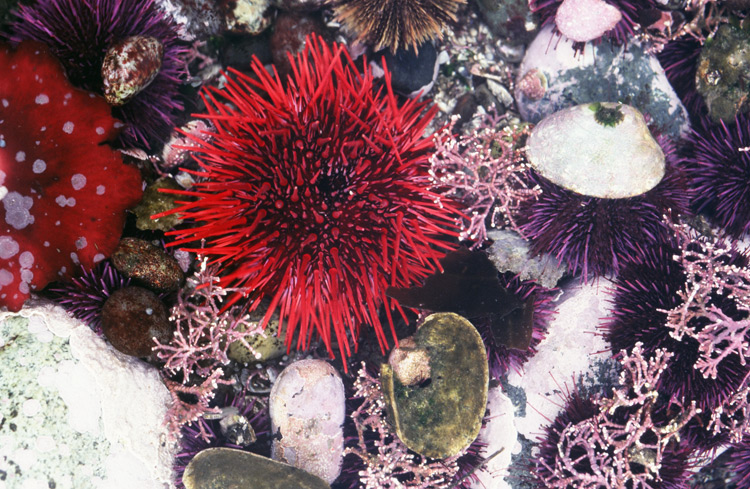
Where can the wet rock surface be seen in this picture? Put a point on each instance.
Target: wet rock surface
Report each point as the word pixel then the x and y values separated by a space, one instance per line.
pixel 227 468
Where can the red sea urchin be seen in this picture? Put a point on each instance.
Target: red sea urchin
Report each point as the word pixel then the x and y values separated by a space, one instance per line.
pixel 80 32
pixel 64 192
pixel 317 195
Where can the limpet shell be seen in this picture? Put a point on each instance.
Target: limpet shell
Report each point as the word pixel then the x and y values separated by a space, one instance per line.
pixel 603 158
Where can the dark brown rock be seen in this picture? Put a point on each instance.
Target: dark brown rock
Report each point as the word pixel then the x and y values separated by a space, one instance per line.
pixel 149 265
pixel 289 33
pixel 132 317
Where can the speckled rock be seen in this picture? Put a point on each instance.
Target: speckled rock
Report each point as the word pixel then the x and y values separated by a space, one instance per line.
pixel 155 201
pixel 227 468
pixel 147 264
pixel 586 20
pixel 600 150
pixel 307 408
pixel 248 16
pixel 510 20
pixel 441 417
pixel 74 412
pixel 266 346
pixel 721 76
pixel 132 317
pixel 509 252
pixel 601 73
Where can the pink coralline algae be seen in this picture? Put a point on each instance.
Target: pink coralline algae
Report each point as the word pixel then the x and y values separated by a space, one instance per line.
pixel 63 191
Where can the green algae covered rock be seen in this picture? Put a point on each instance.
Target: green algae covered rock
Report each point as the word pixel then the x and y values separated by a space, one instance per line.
pixel 440 416
pixel 228 468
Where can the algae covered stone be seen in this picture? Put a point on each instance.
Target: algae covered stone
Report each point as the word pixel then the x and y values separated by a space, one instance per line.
pixel 440 416
pixel 600 150
pixel 228 468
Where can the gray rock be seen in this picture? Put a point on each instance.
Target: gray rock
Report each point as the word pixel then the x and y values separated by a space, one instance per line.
pixel 227 468
pixel 601 73
pixel 307 408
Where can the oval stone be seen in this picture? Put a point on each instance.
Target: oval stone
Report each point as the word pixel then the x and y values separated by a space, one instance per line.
pixel 307 407
pixel 226 468
pixel 600 150
pixel 440 416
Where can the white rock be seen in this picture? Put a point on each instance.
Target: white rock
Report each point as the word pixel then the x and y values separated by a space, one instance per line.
pixel 586 20
pixel 307 407
pixel 101 423
pixel 576 151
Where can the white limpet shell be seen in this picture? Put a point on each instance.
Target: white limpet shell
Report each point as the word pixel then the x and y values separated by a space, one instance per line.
pixel 572 149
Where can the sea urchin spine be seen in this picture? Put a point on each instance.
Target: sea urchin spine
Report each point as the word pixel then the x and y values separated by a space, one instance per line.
pixel 316 195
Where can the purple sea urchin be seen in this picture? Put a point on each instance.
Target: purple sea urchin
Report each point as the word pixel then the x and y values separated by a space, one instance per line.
pixel 717 163
pixel 501 358
pixel 644 289
pixel 85 295
pixel 597 235
pixel 242 424
pixel 80 33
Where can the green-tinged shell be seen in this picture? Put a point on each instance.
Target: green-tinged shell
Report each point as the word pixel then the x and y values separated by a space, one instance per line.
pixel 225 468
pixel 440 417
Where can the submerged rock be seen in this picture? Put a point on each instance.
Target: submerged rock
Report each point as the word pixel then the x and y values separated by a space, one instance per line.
pixel 721 77
pixel 602 72
pixel 307 408
pixel 600 150
pixel 440 416
pixel 228 468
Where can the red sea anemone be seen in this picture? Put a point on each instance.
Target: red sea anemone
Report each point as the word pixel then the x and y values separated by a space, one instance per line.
pixel 316 195
pixel 80 32
pixel 64 192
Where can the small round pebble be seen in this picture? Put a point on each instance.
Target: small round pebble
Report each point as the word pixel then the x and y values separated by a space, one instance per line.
pixel 307 408
pixel 132 317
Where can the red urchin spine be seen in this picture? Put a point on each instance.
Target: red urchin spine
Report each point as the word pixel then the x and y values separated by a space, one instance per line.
pixel 316 195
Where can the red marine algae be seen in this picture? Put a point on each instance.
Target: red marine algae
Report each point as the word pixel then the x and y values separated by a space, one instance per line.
pixel 316 195
pixel 63 191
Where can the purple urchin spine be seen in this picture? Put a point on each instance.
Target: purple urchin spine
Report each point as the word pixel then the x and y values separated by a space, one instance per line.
pixel 80 32
pixel 717 163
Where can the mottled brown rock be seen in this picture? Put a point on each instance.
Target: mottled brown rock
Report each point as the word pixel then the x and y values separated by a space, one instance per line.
pixel 227 468
pixel 132 317
pixel 149 265
pixel 440 417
